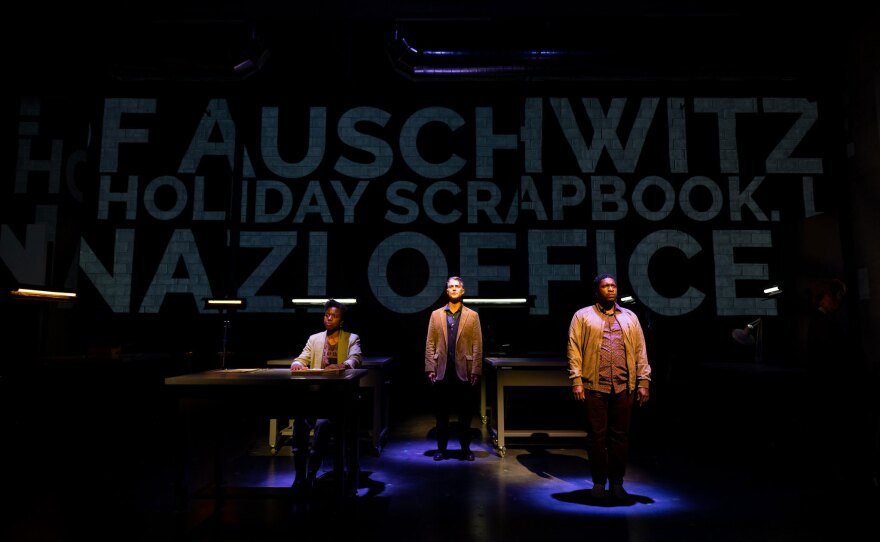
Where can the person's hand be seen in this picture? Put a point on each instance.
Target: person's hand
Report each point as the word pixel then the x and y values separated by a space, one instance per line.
pixel 642 395
pixel 297 367
pixel 474 379
pixel 578 392
pixel 334 366
pixel 432 376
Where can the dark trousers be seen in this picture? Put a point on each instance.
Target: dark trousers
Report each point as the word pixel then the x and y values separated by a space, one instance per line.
pixel 452 396
pixel 608 420
pixel 302 454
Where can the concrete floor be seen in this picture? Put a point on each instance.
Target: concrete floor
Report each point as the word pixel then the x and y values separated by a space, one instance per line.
pixel 80 466
pixel 535 490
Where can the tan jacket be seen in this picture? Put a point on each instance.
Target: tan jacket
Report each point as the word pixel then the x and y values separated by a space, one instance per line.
pixel 348 350
pixel 585 343
pixel 468 345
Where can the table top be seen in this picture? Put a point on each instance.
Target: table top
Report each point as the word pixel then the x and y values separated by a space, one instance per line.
pixel 262 376
pixel 368 362
pixel 527 362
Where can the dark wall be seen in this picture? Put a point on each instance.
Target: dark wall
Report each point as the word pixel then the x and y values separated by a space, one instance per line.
pixel 148 174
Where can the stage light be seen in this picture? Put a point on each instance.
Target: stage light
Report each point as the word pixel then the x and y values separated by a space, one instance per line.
pixel 225 304
pixel 499 301
pixel 772 291
pixel 33 293
pixel 319 301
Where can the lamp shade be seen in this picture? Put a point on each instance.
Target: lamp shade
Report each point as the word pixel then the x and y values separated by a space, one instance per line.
pixel 743 336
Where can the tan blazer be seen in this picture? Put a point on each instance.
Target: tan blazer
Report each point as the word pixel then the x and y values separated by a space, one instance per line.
pixel 468 345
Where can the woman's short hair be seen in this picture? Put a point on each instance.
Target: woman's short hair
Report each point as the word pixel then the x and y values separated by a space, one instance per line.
pixel 343 308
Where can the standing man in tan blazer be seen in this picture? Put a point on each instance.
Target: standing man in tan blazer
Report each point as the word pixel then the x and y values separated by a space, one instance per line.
pixel 453 365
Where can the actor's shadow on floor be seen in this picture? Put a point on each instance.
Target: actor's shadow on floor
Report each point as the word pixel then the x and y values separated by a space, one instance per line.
pixel 457 454
pixel 326 487
pixel 367 487
pixel 585 497
pixel 548 465
pixel 454 452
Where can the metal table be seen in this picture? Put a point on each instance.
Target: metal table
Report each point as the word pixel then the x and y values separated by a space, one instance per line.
pixel 508 372
pixel 273 392
pixel 377 380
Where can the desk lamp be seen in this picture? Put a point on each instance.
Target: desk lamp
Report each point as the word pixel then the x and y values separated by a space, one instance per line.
pixel 751 334
pixel 225 306
pixel 45 298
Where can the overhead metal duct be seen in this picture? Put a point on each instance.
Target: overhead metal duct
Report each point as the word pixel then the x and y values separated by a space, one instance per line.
pixel 190 50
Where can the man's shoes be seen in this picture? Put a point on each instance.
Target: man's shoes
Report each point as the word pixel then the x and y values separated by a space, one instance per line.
pixel 618 493
pixel 468 455
pixel 598 492
pixel 439 455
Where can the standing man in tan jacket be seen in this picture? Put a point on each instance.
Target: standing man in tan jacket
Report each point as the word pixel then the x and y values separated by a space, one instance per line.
pixel 609 373
pixel 453 365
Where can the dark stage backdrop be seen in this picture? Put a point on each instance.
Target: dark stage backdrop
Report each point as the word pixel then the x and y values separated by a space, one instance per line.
pixel 148 198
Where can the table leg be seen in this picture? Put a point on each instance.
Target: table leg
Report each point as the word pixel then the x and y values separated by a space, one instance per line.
pixel 377 417
pixel 499 411
pixel 484 417
pixel 349 477
pixel 273 435
pixel 181 439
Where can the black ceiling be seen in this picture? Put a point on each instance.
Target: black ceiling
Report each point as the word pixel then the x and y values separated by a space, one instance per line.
pixel 207 40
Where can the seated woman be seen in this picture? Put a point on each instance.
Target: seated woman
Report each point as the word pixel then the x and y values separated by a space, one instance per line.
pixel 332 348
